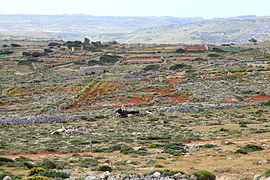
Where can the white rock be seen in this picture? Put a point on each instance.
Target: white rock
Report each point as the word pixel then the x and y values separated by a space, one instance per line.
pixel 7 178
pixel 257 177
pixel 193 177
pixel 156 174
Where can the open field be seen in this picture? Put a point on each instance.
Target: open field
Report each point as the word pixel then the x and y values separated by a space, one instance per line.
pixel 193 110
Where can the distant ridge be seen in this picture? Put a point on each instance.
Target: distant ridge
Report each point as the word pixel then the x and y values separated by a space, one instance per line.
pixel 164 29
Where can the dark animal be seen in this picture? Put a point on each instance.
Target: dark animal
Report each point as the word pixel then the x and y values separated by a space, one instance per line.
pixel 124 114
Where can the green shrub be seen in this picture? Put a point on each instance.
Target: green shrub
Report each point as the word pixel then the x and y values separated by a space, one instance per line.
pixel 35 171
pixel 180 66
pixel 205 175
pixel 168 172
pixel 54 174
pixel 126 149
pixel 13 177
pixel 175 149
pixel 213 55
pixel 105 168
pixel 267 173
pixel 266 103
pixel 208 146
pixel 6 52
pixel 3 159
pixel 249 148
pixel 155 145
pixel 89 162
pixel 48 164
pixel 116 147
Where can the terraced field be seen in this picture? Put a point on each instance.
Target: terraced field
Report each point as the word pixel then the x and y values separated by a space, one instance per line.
pixel 194 110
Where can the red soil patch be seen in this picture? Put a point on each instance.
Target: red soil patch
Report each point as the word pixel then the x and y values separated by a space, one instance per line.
pixel 230 100
pixel 22 101
pixel 257 98
pixel 145 80
pixel 160 91
pixel 174 81
pixel 138 100
pixel 184 57
pixel 143 58
pixel 21 91
pixel 53 63
pixel 100 107
pixel 183 98
pixel 100 90
pixel 192 48
pixel 153 50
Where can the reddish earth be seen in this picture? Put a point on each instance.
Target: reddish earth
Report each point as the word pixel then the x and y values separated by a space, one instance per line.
pixel 187 57
pixel 230 100
pixel 138 100
pixel 154 50
pixel 100 107
pixel 21 91
pixel 183 98
pixel 142 58
pixel 22 101
pixel 96 94
pixel 160 91
pixel 53 63
pixel 174 81
pixel 257 98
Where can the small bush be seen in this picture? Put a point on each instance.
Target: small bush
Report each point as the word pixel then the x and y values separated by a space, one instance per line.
pixel 89 162
pixel 266 103
pixel 6 52
pixel 168 172
pixel 155 145
pixel 3 159
pixel 205 175
pixel 49 164
pixel 213 55
pixel 105 168
pixel 37 178
pixel 175 149
pixel 208 146
pixel 126 149
pixel 35 171
pixel 267 173
pixel 13 177
pixel 180 66
pixel 54 174
pixel 248 148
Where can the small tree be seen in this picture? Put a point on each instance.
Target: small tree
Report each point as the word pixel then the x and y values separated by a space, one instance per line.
pixel 252 40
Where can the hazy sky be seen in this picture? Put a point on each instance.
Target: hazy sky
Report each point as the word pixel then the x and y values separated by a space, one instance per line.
pixel 178 8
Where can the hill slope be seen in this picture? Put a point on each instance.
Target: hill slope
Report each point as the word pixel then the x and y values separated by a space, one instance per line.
pixel 136 29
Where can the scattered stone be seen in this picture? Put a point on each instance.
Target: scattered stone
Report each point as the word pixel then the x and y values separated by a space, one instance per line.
pixel 257 177
pixel 7 178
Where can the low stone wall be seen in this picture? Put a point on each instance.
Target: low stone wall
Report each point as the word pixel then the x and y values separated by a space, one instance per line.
pixel 38 119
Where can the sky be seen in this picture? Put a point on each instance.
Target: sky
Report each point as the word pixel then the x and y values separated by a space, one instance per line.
pixel 177 8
